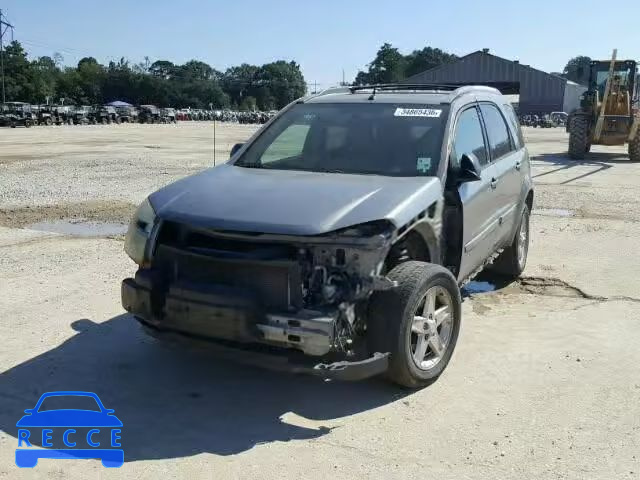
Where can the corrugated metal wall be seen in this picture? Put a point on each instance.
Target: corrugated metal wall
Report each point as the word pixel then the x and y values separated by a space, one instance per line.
pixel 540 92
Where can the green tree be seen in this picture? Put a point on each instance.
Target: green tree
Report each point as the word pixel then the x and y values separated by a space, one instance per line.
pixel 387 67
pixel 18 74
pixel 45 76
pixel 577 70
pixel 162 69
pixel 420 61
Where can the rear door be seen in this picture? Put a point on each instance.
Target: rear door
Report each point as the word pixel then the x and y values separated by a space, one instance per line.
pixel 478 198
pixel 507 157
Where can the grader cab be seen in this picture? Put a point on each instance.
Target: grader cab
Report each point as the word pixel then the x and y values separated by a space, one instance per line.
pixel 608 113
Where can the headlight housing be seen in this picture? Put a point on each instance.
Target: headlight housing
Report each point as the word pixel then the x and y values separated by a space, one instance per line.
pixel 135 243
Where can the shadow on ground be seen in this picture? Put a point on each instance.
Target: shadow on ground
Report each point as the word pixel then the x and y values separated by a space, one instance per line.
pixel 176 403
pixel 601 161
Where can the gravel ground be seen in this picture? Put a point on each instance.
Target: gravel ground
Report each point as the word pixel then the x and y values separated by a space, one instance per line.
pixel 544 383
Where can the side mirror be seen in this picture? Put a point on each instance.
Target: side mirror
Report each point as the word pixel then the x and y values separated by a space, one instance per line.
pixel 469 168
pixel 235 149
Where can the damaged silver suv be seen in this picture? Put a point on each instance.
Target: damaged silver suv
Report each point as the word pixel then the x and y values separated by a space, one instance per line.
pixel 335 240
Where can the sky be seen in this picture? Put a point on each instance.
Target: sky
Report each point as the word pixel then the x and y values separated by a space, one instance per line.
pixel 326 37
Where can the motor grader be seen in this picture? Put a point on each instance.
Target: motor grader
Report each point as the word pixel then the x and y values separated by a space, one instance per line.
pixel 608 112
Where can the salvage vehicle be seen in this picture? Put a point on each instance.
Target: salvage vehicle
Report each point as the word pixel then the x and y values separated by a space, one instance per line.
pixel 335 240
pixel 81 115
pixel 127 114
pixel 16 114
pixel 149 114
pixel 103 114
pixel 168 115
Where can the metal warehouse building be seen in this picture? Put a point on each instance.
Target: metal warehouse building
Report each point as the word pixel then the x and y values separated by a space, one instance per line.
pixel 540 92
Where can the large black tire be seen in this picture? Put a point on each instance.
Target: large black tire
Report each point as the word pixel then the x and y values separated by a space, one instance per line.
pixel 391 316
pixel 579 143
pixel 513 260
pixel 48 121
pixel 634 148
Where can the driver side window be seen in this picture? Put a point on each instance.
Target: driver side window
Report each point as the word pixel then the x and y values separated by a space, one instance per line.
pixel 468 138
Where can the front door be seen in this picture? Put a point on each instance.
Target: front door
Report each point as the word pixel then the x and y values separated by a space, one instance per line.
pixel 478 198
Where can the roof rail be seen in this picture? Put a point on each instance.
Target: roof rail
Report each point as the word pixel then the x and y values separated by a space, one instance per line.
pixel 475 88
pixel 405 86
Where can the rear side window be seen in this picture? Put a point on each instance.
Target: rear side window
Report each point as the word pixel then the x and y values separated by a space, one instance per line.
pixel 468 138
pixel 497 131
pixel 515 124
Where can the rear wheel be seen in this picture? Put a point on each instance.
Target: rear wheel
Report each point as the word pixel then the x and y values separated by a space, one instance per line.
pixel 418 322
pixel 579 143
pixel 513 260
pixel 634 148
pixel 48 121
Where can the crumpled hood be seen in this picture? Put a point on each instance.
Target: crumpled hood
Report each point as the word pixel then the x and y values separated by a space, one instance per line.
pixel 292 202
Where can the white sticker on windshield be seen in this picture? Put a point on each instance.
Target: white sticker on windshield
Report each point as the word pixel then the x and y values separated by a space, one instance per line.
pixel 417 112
pixel 423 165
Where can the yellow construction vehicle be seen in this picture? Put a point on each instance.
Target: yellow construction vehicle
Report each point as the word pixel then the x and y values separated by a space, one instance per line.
pixel 608 112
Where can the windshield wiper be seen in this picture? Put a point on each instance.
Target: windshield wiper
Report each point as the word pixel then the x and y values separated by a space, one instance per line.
pixel 250 165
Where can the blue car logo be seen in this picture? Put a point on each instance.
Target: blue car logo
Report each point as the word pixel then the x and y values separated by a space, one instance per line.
pixel 96 427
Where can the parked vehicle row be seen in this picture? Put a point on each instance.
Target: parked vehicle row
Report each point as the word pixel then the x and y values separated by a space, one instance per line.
pixel 549 120
pixel 20 114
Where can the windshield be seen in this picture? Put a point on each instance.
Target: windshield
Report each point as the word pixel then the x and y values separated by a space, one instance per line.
pixel 372 138
pixel 621 75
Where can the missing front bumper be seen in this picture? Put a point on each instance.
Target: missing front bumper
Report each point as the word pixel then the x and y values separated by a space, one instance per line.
pixel 224 313
pixel 216 321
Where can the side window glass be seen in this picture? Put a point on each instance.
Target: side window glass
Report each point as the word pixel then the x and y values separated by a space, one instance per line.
pixel 468 138
pixel 287 145
pixel 497 131
pixel 515 124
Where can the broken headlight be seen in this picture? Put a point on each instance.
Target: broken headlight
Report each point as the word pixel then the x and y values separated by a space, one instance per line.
pixel 368 229
pixel 135 243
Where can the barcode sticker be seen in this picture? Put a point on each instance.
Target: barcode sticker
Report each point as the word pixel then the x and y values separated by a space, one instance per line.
pixel 417 112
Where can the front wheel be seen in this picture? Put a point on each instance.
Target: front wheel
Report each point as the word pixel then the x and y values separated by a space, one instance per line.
pixel 418 322
pixel 579 143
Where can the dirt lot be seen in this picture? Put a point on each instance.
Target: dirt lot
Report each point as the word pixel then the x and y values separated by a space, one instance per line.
pixel 545 382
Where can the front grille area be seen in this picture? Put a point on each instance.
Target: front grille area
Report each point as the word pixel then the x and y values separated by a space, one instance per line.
pixel 268 273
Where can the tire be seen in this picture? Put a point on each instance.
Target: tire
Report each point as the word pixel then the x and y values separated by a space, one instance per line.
pixel 392 322
pixel 513 260
pixel 27 124
pixel 48 122
pixel 104 121
pixel 634 148
pixel 579 143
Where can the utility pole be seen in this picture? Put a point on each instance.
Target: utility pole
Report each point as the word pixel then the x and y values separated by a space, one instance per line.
pixel 4 26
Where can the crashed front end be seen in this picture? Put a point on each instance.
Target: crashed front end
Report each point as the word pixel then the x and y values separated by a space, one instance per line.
pixel 304 295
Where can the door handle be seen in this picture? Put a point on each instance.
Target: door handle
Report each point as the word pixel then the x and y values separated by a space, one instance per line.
pixel 494 183
pixel 518 165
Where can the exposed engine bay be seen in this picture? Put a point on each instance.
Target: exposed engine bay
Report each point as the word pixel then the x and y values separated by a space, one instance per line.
pixel 299 292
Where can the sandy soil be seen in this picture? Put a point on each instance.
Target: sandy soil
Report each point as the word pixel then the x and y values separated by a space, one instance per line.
pixel 544 383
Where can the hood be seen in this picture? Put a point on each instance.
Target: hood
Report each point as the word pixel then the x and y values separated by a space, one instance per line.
pixel 292 202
